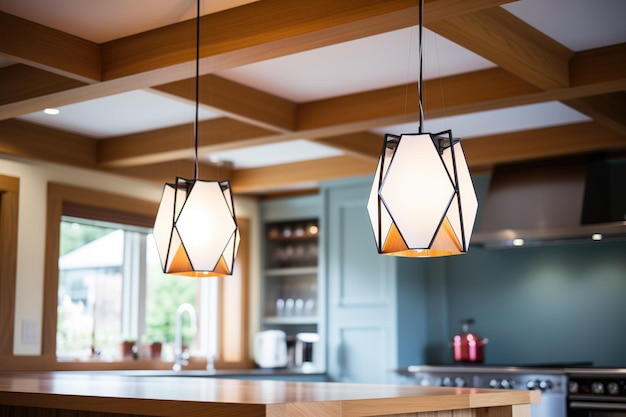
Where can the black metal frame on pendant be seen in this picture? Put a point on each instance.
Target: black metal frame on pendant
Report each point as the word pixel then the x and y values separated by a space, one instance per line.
pixel 441 142
pixel 187 185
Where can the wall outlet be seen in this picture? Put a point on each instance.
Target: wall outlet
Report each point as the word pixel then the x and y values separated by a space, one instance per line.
pixel 31 330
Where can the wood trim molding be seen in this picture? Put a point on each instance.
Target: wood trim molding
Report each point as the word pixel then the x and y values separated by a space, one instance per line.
pixel 235 319
pixel 59 194
pixel 9 205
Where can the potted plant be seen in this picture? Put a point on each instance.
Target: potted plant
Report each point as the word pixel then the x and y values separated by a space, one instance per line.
pixel 155 350
pixel 129 349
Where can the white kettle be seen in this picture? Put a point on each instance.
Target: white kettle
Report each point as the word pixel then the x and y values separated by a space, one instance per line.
pixel 270 349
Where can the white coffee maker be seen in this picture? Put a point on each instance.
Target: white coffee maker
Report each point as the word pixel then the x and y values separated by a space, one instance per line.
pixel 307 352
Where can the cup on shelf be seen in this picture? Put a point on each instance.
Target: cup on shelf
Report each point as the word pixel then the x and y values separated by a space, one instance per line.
pixel 309 307
pixel 280 307
pixel 299 231
pixel 289 306
pixel 298 307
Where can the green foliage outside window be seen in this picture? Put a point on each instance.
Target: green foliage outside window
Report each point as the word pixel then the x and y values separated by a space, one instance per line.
pixel 165 294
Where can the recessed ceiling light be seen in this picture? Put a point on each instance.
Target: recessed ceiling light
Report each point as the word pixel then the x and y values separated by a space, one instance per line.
pixel 52 112
pixel 596 236
pixel 518 242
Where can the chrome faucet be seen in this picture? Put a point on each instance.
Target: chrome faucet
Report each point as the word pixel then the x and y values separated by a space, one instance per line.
pixel 181 357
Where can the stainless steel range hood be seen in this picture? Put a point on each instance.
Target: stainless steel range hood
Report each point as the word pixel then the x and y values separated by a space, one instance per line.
pixel 554 202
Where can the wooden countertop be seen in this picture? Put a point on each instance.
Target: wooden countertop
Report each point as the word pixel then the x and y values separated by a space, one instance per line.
pixel 192 396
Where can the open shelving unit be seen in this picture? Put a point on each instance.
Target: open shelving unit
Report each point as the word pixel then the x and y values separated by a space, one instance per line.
pixel 291 275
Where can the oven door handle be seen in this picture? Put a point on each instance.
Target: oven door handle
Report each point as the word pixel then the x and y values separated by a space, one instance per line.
pixel 589 405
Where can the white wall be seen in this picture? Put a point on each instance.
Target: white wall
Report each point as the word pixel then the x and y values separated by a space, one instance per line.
pixel 34 177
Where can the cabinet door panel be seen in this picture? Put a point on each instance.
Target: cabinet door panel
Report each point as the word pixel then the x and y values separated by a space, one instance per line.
pixel 361 292
pixel 354 362
pixel 361 275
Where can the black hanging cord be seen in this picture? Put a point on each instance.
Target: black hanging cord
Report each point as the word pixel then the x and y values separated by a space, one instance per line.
pixel 195 145
pixel 420 81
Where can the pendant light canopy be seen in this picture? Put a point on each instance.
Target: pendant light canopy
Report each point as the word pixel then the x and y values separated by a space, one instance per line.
pixel 195 228
pixel 422 202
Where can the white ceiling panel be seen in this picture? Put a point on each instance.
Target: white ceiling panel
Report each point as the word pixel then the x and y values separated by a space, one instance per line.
pixel 276 153
pixel 369 63
pixel 121 114
pixel 577 24
pixel 512 119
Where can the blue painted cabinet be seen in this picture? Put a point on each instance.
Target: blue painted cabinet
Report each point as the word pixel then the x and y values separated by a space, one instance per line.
pixel 376 320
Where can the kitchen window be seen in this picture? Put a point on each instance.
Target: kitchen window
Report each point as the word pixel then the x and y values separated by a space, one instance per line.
pixel 112 289
pixel 104 285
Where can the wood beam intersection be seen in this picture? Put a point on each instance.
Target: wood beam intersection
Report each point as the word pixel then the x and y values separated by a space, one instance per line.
pixel 531 68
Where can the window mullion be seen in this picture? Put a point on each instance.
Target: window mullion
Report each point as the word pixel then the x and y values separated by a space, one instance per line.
pixel 130 293
pixel 141 283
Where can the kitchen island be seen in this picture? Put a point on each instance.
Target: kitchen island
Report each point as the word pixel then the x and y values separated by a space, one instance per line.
pixel 92 395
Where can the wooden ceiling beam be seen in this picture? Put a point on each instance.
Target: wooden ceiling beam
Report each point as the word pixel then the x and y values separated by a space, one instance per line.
pixel 238 36
pixel 229 38
pixel 481 153
pixel 38 142
pixel 166 172
pixel 353 114
pixel 548 142
pixel 507 41
pixel 174 143
pixel 481 90
pixel 502 38
pixel 606 109
pixel 21 82
pixel 49 49
pixel 601 67
pixel 237 101
pixel 47 144
pixel 277 177
pixel 365 145
pixel 459 94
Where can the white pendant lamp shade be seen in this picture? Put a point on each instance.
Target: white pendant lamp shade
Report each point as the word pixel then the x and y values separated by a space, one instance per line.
pixel 195 228
pixel 422 202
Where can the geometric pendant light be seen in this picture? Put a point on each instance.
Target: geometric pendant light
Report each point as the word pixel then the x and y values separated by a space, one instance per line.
pixel 422 202
pixel 195 228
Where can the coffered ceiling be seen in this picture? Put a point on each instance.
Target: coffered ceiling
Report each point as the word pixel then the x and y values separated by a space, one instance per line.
pixel 294 92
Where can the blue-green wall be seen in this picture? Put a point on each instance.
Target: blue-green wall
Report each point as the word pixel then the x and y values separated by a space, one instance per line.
pixel 538 305
pixel 535 305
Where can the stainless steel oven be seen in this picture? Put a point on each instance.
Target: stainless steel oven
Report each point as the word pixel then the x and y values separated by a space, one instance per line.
pixel 551 382
pixel 596 393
